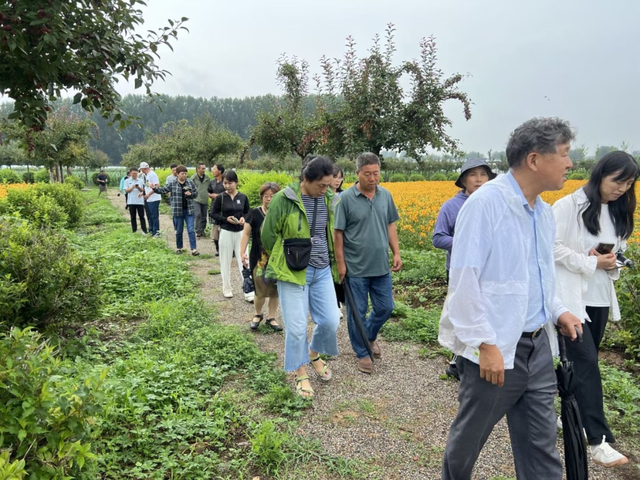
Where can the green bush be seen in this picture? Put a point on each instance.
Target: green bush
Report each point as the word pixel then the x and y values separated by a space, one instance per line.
pixel 628 290
pixel 453 176
pixel 68 197
pixel 398 177
pixel 438 177
pixel 45 280
pixel 250 183
pixel 416 177
pixel 46 412
pixel 9 176
pixel 42 176
pixel 37 208
pixel 74 181
pixel 578 176
pixel 28 177
pixel 94 179
pixel 350 178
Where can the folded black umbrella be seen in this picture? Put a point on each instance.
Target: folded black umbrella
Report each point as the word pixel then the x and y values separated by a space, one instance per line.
pixel 575 446
pixel 357 319
pixel 247 284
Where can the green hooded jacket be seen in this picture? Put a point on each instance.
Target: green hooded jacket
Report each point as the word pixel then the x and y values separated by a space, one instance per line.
pixel 286 218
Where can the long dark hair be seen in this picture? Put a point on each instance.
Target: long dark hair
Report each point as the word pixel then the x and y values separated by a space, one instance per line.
pixel 622 209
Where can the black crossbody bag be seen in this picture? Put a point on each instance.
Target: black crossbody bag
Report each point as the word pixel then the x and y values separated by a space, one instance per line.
pixel 297 251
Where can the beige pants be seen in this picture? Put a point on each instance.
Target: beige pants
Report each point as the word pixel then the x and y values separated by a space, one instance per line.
pixel 229 241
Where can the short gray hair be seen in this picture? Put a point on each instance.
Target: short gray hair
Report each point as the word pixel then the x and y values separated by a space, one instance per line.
pixel 541 135
pixel 366 158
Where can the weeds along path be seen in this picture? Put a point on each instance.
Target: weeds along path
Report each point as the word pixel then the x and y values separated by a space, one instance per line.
pixel 395 422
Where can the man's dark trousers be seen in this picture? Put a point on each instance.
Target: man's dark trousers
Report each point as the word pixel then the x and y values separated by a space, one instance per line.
pixel 201 211
pixel 526 399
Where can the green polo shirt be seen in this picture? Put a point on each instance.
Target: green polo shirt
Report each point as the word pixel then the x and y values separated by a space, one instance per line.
pixel 365 226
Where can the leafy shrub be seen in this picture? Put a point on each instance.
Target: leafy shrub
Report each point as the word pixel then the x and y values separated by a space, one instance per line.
pixel 28 177
pixel 453 176
pixel 35 207
pixel 250 183
pixel 622 400
pixel 578 176
pixel 49 282
pixel 42 176
pixel 74 181
pixel 413 324
pixel 94 179
pixel 398 177
pixel 68 197
pixel 268 446
pixel 416 177
pixel 628 290
pixel 46 412
pixel 9 176
pixel 350 178
pixel 438 177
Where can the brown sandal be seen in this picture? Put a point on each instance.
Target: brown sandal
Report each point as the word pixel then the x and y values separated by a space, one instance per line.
pixel 254 325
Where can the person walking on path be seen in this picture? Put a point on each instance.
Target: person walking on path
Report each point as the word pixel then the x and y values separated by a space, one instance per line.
pixel 365 229
pixel 152 199
pixel 134 191
pixel 102 180
pixel 183 191
pixel 228 210
pixel 201 181
pixel 592 223
pixel 297 233
pixel 252 226
pixel 474 173
pixel 502 302
pixel 214 189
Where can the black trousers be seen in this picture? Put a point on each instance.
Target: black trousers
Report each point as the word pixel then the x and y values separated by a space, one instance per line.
pixel 139 209
pixel 588 382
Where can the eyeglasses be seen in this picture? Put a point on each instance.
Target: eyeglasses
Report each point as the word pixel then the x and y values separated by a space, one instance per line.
pixel 267 197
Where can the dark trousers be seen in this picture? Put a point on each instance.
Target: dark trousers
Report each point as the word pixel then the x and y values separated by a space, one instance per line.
pixel 526 398
pixel 201 217
pixel 587 380
pixel 139 210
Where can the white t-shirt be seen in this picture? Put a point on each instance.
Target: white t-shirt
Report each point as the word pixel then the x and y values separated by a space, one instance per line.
pixel 132 196
pixel 152 178
pixel 598 292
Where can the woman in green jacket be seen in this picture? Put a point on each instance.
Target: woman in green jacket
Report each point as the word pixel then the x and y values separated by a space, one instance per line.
pixel 299 221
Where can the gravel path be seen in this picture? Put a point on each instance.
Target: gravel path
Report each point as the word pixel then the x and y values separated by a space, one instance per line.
pixel 395 420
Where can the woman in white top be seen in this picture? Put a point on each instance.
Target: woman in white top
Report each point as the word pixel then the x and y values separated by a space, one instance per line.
pixel 591 225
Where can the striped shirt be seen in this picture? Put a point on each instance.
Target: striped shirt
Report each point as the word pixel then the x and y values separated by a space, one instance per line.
pixel 320 247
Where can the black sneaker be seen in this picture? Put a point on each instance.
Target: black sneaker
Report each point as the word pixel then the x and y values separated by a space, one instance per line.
pixel 452 371
pixel 217 254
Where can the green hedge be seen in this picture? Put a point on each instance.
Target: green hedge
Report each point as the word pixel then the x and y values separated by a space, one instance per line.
pixel 28 177
pixel 438 177
pixel 416 177
pixel 249 183
pixel 74 181
pixel 398 177
pixel 9 176
pixel 43 279
pixel 42 176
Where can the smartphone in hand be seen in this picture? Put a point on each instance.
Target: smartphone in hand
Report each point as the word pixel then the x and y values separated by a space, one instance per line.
pixel 604 248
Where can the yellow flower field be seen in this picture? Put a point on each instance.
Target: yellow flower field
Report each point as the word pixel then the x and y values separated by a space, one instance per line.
pixel 12 186
pixel 418 204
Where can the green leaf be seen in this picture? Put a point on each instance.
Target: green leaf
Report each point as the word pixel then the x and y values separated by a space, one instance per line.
pixel 77 97
pixel 22 434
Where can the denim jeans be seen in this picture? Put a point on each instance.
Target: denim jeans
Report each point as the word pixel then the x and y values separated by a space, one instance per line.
pixel 153 212
pixel 178 224
pixel 317 298
pixel 379 289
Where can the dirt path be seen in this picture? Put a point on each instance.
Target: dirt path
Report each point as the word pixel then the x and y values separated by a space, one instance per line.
pixel 395 420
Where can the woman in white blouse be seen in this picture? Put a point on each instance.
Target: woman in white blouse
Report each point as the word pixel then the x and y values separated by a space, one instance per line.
pixel 592 224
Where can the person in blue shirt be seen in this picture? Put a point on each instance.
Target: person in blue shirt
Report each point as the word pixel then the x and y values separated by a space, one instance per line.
pixel 502 307
pixel 474 173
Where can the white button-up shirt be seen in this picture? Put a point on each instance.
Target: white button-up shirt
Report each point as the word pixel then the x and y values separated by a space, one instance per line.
pixel 489 287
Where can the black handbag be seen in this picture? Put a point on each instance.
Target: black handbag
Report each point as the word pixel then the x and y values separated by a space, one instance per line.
pixel 297 251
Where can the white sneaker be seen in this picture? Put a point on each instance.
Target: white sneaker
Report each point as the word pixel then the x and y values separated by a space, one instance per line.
pixel 341 315
pixel 228 295
pixel 248 297
pixel 606 456
pixel 559 422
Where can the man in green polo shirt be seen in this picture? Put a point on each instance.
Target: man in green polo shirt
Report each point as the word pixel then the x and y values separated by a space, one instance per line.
pixel 365 228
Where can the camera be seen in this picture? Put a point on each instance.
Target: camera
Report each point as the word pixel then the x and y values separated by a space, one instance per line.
pixel 624 261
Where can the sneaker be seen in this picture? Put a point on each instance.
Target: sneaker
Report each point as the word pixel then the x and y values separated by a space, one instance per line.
pixel 606 456
pixel 248 297
pixel 156 235
pixel 559 422
pixel 228 295
pixel 341 315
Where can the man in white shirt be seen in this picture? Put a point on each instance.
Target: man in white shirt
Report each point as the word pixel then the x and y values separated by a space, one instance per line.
pixel 152 199
pixel 502 306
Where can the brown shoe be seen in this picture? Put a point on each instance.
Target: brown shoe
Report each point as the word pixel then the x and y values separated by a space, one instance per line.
pixel 376 349
pixel 365 365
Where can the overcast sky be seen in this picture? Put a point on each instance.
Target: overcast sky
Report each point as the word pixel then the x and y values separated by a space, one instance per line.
pixel 576 59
